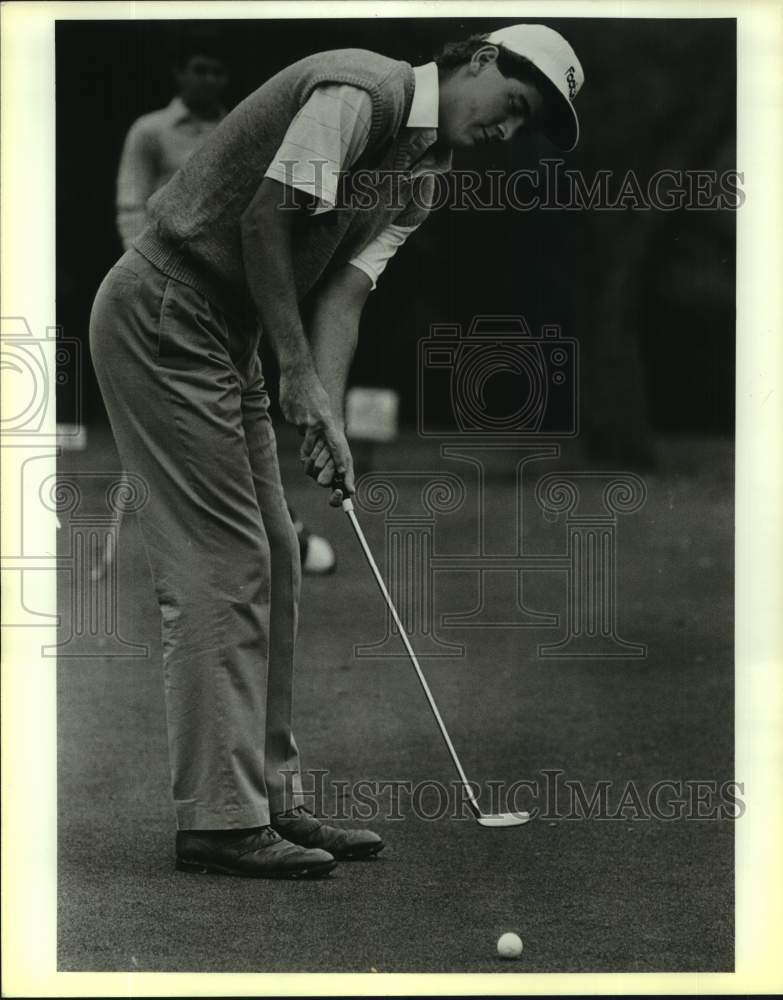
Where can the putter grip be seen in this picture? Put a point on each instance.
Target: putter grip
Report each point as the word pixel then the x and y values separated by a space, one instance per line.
pixel 338 483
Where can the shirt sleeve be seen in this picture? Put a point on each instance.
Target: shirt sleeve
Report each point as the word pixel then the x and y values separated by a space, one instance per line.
pixel 377 254
pixel 136 181
pixel 327 136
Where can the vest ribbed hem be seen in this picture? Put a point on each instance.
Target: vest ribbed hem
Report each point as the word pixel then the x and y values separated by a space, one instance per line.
pixel 178 265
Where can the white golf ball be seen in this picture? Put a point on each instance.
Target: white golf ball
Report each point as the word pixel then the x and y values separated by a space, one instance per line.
pixel 509 945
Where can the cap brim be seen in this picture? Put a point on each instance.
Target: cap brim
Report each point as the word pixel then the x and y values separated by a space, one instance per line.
pixel 561 125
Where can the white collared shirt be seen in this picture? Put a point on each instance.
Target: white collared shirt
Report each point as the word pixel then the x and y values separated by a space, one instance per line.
pixel 426 93
pixel 329 134
pixel 156 146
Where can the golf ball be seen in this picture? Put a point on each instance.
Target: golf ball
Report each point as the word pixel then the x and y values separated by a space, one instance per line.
pixel 509 945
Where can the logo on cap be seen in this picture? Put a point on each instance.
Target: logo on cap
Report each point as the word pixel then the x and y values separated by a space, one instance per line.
pixel 571 81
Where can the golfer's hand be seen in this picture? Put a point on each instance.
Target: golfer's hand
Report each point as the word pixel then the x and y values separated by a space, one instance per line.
pixel 323 468
pixel 324 452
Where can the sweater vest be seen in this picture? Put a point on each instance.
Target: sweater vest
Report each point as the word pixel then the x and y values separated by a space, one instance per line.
pixel 195 220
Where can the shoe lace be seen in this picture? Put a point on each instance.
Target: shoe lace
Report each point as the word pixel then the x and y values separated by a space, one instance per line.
pixel 262 837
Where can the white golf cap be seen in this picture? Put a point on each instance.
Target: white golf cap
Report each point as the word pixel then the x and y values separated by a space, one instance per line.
pixel 551 54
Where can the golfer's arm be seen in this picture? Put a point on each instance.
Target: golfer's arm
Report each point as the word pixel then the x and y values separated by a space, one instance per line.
pixel 335 330
pixel 267 252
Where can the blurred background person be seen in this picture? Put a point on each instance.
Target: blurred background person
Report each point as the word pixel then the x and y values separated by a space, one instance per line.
pixel 158 143
pixel 156 146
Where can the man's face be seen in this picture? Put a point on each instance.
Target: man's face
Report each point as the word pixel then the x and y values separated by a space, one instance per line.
pixel 479 105
pixel 202 81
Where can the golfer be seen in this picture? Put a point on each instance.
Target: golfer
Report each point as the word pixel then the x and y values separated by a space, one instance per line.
pixel 278 226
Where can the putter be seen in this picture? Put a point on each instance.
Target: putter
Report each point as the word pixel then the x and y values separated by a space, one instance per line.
pixel 483 819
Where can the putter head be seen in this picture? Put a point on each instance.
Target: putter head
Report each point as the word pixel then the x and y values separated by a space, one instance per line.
pixel 504 819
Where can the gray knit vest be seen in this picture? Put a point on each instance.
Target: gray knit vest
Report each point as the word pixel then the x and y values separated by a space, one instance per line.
pixel 195 229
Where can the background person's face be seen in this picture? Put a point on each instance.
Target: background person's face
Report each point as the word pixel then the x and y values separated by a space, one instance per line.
pixel 479 105
pixel 202 81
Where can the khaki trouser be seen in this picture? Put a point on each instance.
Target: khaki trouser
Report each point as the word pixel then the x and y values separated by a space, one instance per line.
pixel 185 395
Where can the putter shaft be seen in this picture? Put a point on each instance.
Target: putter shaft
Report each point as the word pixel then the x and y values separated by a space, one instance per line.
pixel 347 506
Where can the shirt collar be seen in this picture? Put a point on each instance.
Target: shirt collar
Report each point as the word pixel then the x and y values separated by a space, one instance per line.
pixel 424 107
pixel 180 112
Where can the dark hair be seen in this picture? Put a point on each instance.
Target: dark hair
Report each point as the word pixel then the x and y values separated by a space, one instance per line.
pixel 199 41
pixel 455 54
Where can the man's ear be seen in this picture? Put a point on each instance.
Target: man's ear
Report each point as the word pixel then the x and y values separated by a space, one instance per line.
pixel 482 57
